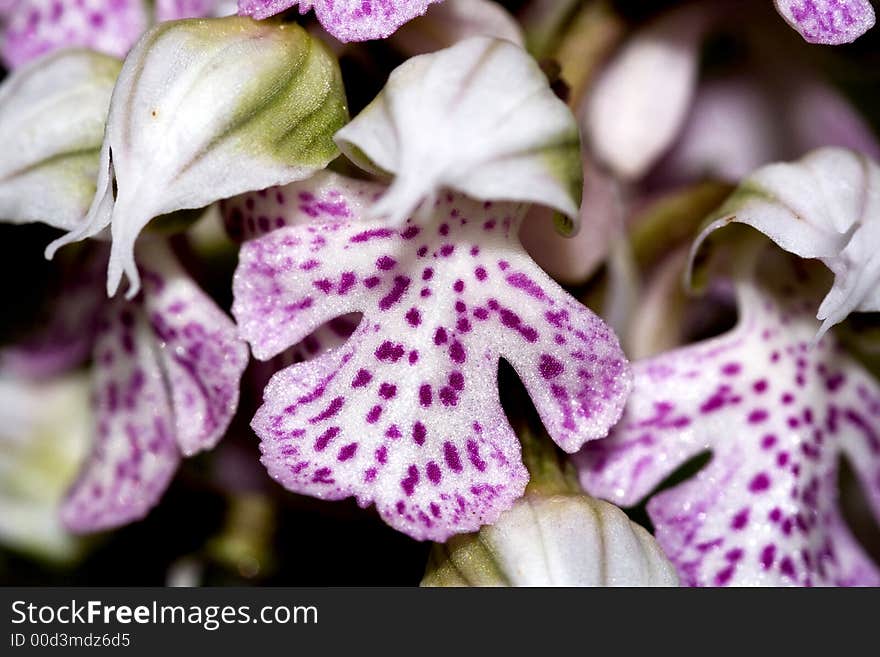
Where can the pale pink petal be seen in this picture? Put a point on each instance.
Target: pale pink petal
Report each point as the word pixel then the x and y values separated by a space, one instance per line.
pixel 406 414
pixel 776 414
pixel 830 22
pixel 347 20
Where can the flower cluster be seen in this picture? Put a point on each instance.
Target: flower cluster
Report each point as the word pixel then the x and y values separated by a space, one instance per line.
pixel 401 273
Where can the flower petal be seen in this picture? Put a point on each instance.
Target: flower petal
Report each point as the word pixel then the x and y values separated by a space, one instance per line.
pixel 38 27
pixel 827 206
pixel 52 116
pixel 347 20
pixel 174 89
pixel 557 540
pixel 452 21
pixel 830 22
pixel 479 118
pixel 776 414
pixel 406 413
pixel 633 113
pixel 199 349
pixel 135 454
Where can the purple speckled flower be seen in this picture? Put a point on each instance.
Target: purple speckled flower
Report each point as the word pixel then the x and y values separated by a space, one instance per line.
pixel 32 28
pixel 165 380
pixel 830 22
pixel 405 414
pixel 347 20
pixel 777 414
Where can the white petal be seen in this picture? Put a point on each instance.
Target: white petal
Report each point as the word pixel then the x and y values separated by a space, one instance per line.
pixel 555 540
pixel 640 102
pixel 825 205
pixel 52 115
pixel 479 118
pixel 206 109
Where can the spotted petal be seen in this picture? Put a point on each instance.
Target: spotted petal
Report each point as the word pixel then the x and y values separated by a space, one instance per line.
pixel 174 89
pixel 479 118
pixel 776 414
pixel 52 116
pixel 347 20
pixel 199 350
pixel 38 27
pixel 406 413
pixel 135 454
pixel 166 381
pixel 826 206
pixel 831 22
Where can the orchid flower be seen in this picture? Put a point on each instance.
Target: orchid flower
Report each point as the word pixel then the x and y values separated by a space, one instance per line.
pixel 776 414
pixel 167 364
pixel 165 380
pixel 44 439
pixel 275 129
pixel 34 28
pixel 405 414
pixel 347 20
pixel 826 206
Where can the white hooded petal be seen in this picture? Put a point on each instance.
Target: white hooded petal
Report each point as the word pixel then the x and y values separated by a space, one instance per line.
pixel 52 115
pixel 825 205
pixel 479 118
pixel 553 540
pixel 205 109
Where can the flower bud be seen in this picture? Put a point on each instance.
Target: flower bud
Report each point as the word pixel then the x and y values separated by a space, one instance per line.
pixel 555 540
pixel 554 535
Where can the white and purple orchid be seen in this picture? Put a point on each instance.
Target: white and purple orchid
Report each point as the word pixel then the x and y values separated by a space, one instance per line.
pixel 418 284
pixel 776 411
